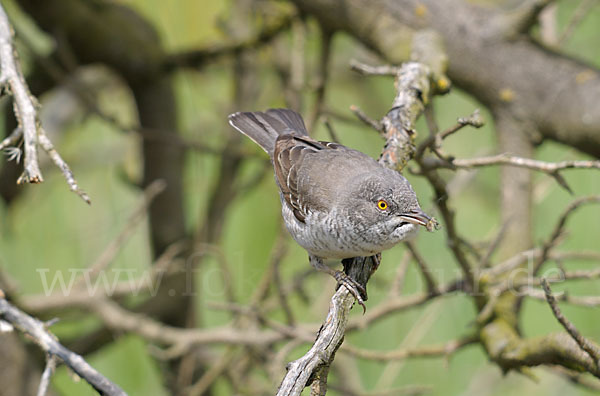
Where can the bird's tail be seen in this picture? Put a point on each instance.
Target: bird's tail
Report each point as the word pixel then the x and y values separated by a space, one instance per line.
pixel 264 128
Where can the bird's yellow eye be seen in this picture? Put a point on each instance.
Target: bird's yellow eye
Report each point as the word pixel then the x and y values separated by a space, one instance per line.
pixel 382 205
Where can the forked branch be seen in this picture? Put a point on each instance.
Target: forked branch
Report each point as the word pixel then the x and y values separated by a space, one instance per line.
pixel 26 112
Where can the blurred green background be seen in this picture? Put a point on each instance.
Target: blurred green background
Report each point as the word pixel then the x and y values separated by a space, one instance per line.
pixel 50 228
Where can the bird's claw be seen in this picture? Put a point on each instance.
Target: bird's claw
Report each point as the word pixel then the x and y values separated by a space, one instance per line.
pixel 355 288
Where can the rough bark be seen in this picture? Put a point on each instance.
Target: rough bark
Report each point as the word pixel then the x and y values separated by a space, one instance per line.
pixel 487 56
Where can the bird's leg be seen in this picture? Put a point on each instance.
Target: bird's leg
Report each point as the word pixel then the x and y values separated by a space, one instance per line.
pixel 355 288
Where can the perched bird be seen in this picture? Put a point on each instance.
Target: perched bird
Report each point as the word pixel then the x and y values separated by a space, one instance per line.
pixel 336 202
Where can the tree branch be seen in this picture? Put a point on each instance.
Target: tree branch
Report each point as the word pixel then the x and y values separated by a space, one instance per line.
pixel 583 343
pixel 26 112
pixel 37 331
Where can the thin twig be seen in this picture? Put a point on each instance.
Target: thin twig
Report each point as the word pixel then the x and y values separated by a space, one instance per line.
pixel 114 247
pixel 369 70
pixel 583 301
pixel 577 378
pixel 409 390
pixel 475 120
pixel 362 116
pixel 583 343
pixel 582 10
pixel 321 77
pixel 332 133
pixel 550 168
pixel 398 282
pixel 425 271
pixel 198 58
pixel 51 361
pixel 485 260
pixel 558 229
pixel 48 147
pixel 443 350
pixel 542 166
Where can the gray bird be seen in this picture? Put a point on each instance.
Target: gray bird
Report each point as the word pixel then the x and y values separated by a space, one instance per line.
pixel 336 202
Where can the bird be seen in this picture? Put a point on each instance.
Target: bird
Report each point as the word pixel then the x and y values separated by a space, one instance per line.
pixel 336 202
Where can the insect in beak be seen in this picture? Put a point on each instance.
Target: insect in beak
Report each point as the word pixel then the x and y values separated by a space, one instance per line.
pixel 418 217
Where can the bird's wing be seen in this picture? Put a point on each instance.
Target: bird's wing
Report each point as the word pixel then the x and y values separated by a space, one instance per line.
pixel 305 168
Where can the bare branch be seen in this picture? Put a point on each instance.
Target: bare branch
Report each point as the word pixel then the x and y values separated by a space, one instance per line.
pixel 410 390
pixel 366 119
pixel 522 257
pixel 586 345
pixel 425 271
pixel 582 10
pixel 301 372
pixel 26 112
pixel 198 58
pixel 37 331
pixel 558 229
pixel 24 103
pixel 542 166
pixel 332 133
pixel 384 70
pixel 584 301
pixel 113 248
pixel 61 164
pixel 475 120
pixel 550 168
pixel 443 350
pixel 46 375
pixel 321 77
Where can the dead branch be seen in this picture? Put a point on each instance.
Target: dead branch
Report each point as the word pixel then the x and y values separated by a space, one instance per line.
pixel 583 9
pixel 49 344
pixel 558 229
pixel 583 342
pixel 51 362
pixel 423 267
pixel 329 338
pixel 198 58
pixel 110 252
pixel 26 112
pixel 552 169
pixel 443 350
pixel 584 301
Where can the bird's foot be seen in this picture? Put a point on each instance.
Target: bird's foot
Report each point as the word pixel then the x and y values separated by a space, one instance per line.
pixel 355 288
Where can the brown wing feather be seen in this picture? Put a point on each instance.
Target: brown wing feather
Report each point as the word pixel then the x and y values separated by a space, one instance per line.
pixel 290 151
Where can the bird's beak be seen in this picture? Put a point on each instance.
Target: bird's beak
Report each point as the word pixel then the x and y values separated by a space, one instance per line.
pixel 417 217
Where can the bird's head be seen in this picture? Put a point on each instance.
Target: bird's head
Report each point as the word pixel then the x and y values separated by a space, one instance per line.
pixel 384 208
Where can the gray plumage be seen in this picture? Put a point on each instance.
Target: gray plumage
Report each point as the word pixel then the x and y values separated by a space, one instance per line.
pixel 336 202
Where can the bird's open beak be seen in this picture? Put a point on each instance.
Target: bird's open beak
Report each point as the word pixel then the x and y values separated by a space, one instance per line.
pixel 417 217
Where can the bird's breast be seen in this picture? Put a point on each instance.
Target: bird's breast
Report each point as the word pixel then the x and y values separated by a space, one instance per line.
pixel 333 235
